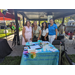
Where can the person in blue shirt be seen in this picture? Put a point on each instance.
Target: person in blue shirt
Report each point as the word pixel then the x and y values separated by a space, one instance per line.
pixel 52 31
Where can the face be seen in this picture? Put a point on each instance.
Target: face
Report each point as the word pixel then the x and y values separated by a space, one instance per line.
pixel 12 23
pixel 51 22
pixel 44 25
pixel 35 23
pixel 28 23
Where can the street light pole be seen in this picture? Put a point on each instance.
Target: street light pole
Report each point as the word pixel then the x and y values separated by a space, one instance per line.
pixel 23 20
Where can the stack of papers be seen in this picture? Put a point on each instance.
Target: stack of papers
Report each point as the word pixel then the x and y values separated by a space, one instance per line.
pixel 31 50
pixel 45 42
pixel 35 47
pixel 53 49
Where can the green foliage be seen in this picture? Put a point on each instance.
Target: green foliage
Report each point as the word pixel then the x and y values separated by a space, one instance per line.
pixel 59 21
pixel 11 61
pixel 65 61
pixel 2 34
pixel 2 31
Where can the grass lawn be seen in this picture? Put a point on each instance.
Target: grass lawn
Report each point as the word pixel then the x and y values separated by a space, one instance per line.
pixel 2 31
pixel 16 60
pixel 2 34
pixel 65 62
pixel 11 61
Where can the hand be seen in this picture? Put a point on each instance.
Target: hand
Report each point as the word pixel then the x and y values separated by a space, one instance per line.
pixel 31 39
pixel 56 37
pixel 38 38
pixel 26 40
pixel 45 38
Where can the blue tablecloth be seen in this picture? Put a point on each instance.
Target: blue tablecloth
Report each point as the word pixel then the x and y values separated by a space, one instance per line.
pixel 42 57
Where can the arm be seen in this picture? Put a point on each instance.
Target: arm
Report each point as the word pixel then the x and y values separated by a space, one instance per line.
pixel 32 35
pixel 56 33
pixel 46 34
pixel 39 34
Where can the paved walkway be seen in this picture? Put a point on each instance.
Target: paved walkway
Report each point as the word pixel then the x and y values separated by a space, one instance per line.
pixel 17 50
pixel 69 46
pixel 10 38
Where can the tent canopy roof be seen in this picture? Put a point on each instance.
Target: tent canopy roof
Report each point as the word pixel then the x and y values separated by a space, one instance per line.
pixel 41 14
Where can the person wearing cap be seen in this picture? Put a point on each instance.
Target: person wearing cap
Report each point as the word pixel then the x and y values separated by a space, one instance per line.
pixel 27 33
pixel 52 31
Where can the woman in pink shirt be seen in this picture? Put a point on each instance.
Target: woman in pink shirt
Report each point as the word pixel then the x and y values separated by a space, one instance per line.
pixel 27 33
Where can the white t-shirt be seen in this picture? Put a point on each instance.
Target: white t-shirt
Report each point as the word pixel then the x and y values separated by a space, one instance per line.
pixel 44 32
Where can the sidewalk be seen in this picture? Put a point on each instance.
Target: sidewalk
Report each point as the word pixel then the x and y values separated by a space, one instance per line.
pixel 17 50
pixel 69 46
pixel 10 38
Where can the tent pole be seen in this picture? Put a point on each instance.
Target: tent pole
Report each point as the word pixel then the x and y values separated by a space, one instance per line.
pixel 39 22
pixel 5 27
pixel 63 20
pixel 17 27
pixel 23 20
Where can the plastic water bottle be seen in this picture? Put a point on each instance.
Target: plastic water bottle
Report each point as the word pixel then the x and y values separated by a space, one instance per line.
pixel 48 47
pixel 44 47
pixel 30 42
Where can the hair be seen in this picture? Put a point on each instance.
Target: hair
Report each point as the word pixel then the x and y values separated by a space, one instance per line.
pixel 32 24
pixel 26 22
pixel 54 23
pixel 42 25
pixel 47 24
pixel 39 25
pixel 35 21
pixel 51 19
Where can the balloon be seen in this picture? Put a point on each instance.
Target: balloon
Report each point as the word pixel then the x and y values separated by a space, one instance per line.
pixel 13 27
pixel 33 55
pixel 19 28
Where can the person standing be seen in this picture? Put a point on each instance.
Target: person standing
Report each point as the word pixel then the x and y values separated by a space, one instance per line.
pixel 52 31
pixel 61 28
pixel 27 33
pixel 44 31
pixel 36 32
